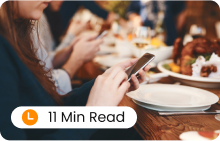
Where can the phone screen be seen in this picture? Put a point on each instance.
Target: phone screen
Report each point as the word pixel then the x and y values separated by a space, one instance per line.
pixel 102 34
pixel 140 64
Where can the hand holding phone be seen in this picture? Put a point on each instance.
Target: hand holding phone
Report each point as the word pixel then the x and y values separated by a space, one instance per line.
pixel 140 64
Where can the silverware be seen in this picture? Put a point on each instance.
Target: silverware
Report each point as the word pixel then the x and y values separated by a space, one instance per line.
pixel 189 113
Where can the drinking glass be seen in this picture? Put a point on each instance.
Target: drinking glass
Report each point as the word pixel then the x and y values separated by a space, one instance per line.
pixel 141 36
pixel 197 31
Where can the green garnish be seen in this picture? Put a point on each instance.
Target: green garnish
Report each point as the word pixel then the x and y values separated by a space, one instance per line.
pixel 190 62
pixel 193 60
pixel 207 57
pixel 166 66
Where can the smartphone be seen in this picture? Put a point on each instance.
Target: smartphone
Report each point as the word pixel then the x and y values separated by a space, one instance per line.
pixel 140 64
pixel 102 34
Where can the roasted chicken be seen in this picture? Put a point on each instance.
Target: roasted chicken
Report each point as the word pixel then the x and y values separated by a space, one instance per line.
pixel 186 55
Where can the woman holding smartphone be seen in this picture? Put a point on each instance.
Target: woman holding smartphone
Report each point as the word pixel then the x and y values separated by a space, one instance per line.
pixel 24 81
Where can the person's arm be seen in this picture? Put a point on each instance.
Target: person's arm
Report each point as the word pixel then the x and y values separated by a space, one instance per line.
pixel 62 81
pixel 79 96
pixel 61 56
pixel 65 42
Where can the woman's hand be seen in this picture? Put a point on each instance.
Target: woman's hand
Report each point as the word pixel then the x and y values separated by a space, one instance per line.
pixel 110 87
pixel 62 55
pixel 76 27
pixel 134 80
pixel 84 50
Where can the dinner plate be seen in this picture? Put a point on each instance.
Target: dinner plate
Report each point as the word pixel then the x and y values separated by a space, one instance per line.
pixel 175 96
pixel 189 80
pixel 106 49
pixel 161 53
pixel 162 108
pixel 111 60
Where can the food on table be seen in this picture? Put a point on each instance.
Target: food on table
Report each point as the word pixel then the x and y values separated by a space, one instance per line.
pixel 166 66
pixel 210 68
pixel 172 67
pixel 200 135
pixel 175 68
pixel 157 42
pixel 206 70
pixel 140 45
pixel 186 56
pixel 118 36
pixel 130 37
pixel 150 73
pixel 111 45
pixel 210 135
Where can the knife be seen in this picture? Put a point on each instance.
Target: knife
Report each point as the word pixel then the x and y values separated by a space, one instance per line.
pixel 165 113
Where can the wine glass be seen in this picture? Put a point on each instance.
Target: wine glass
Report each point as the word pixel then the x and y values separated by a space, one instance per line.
pixel 142 36
pixel 197 31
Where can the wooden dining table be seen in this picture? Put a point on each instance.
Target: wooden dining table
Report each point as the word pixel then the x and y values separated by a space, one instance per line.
pixel 152 126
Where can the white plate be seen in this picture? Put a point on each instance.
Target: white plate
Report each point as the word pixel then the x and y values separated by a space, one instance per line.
pixel 106 49
pixel 161 108
pixel 151 78
pixel 173 96
pixel 111 60
pixel 189 80
pixel 161 53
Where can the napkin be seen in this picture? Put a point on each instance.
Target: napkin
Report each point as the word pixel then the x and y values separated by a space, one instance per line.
pixel 200 62
pixel 200 135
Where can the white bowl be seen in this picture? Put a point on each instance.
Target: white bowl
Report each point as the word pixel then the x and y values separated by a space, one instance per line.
pixel 201 82
pixel 161 53
pixel 123 48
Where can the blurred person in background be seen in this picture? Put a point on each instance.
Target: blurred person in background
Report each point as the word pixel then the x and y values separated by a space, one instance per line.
pixel 156 14
pixel 52 20
pixel 84 48
pixel 69 8
pixel 25 82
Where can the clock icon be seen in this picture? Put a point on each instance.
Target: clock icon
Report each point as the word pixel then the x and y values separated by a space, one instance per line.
pixel 30 117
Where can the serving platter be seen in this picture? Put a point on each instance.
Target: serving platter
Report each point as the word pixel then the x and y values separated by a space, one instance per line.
pixel 201 82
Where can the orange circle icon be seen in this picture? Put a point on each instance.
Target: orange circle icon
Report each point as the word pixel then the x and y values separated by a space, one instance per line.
pixel 29 117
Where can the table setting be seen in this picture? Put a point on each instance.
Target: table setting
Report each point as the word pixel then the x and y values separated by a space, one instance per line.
pixel 176 101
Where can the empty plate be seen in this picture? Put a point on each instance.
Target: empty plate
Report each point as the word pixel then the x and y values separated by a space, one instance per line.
pixel 174 96
pixel 161 108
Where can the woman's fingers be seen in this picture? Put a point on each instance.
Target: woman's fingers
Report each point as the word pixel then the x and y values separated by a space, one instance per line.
pixel 128 63
pixel 114 72
pixel 89 38
pixel 96 42
pixel 134 81
pixel 123 88
pixel 119 78
pixel 147 68
pixel 142 76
